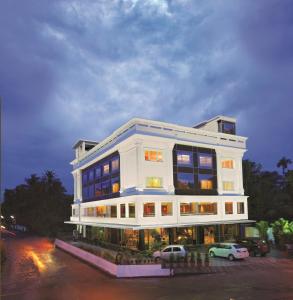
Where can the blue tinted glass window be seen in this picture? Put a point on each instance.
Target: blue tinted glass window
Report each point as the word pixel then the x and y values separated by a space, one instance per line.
pixel 106 169
pixel 106 187
pixel 98 189
pixel 85 193
pixel 115 164
pixel 205 161
pixel 185 181
pixel 98 172
pixel 84 178
pixel 91 175
pixel 91 191
pixel 184 158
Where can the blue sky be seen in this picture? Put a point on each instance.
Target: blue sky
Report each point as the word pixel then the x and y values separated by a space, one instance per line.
pixel 79 69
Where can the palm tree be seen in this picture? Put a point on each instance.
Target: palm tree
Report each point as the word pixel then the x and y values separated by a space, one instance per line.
pixel 262 227
pixel 283 163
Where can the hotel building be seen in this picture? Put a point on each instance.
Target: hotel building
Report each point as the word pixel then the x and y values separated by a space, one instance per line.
pixel 153 182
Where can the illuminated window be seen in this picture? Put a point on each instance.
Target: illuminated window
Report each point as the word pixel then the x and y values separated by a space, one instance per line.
pixel 89 211
pixel 153 155
pixel 106 169
pixel 149 209
pixel 228 208
pixel 122 211
pixel 240 208
pixel 115 165
pixel 101 211
pixel 115 187
pixel 184 158
pixel 228 164
pixel 207 208
pixel 187 209
pixel 205 161
pixel 228 185
pixel 166 208
pixel 154 182
pixel 131 210
pixel 205 181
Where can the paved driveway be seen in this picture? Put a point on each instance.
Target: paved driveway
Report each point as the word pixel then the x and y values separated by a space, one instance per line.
pixel 36 270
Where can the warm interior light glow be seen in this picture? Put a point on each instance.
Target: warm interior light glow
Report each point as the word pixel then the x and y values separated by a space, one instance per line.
pixel 206 184
pixel 154 182
pixel 228 185
pixel 228 164
pixel 115 187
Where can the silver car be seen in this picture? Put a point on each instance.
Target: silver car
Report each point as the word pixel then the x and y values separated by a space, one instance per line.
pixel 177 250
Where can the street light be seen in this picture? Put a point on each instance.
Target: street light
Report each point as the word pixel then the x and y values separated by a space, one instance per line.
pixel 2 217
pixel 12 217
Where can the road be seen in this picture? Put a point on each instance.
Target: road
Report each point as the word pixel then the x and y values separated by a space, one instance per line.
pixel 36 270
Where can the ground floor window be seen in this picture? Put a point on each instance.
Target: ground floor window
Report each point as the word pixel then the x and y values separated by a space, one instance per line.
pixel 122 211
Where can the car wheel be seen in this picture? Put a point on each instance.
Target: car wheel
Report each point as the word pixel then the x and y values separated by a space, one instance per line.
pixel 212 254
pixel 157 259
pixel 231 257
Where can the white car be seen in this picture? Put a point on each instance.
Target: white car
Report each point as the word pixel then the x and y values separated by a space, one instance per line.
pixel 229 250
pixel 177 250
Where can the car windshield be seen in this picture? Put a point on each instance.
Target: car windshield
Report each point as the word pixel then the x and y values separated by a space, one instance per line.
pixel 236 246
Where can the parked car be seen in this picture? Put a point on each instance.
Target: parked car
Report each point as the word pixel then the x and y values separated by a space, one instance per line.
pixel 177 250
pixel 255 246
pixel 229 250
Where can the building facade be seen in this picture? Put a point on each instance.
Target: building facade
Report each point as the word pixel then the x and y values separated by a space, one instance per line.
pixel 152 182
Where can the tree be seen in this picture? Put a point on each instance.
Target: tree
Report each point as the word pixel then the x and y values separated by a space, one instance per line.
pixel 41 204
pixel 283 163
pixel 262 227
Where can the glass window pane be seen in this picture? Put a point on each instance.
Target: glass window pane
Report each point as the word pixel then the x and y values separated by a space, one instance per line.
pixel 228 185
pixel 205 161
pixel 106 169
pixel 228 208
pixel 115 165
pixel 184 158
pixel 98 189
pixel 149 209
pixel 185 181
pixel 205 181
pixel 166 208
pixel 98 172
pixel 154 182
pixel 131 210
pixel 122 210
pixel 228 164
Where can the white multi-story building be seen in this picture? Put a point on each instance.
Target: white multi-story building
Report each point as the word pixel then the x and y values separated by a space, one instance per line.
pixel 151 182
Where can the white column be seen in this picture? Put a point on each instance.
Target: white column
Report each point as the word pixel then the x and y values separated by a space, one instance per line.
pixel 169 165
pixel 140 182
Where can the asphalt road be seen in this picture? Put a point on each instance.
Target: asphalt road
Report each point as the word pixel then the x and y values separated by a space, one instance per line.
pixel 36 270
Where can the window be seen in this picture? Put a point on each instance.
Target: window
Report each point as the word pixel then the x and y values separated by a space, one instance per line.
pixel 106 169
pixel 153 155
pixel 198 208
pixel 98 189
pixel 115 185
pixel 91 175
pixel 89 211
pixel 115 165
pixel 149 209
pixel 184 158
pixel 207 208
pixel 84 178
pixel 91 191
pixel 73 212
pixel 122 210
pixel 168 250
pixel 228 208
pixel 98 172
pixel 131 210
pixel 227 127
pixel 154 182
pixel 240 208
pixel 228 164
pixel 101 211
pixel 185 181
pixel 85 192
pixel 113 209
pixel 106 187
pixel 166 208
pixel 205 161
pixel 228 185
pixel 187 209
pixel 205 181
pixel 176 249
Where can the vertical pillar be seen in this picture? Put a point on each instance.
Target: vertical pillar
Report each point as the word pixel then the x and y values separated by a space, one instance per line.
pixel 171 235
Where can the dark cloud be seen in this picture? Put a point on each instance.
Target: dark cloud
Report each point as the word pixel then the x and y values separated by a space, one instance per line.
pixel 79 69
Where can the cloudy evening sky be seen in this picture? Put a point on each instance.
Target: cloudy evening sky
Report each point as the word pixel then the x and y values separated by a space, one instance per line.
pixel 79 69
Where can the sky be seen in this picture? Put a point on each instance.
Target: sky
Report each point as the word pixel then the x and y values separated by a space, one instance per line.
pixel 74 70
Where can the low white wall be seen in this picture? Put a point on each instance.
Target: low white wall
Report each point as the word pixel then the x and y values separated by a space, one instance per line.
pixel 120 271
pixel 88 257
